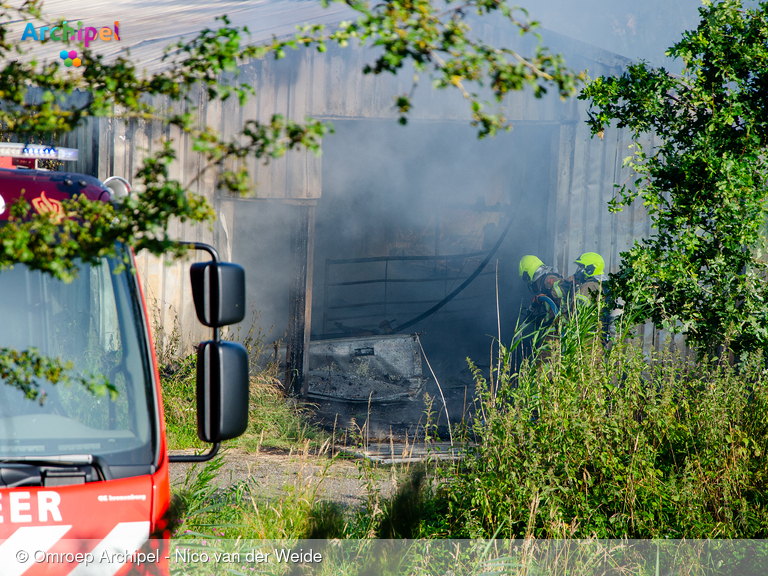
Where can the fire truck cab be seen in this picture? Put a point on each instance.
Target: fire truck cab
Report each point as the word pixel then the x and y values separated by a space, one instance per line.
pixel 76 465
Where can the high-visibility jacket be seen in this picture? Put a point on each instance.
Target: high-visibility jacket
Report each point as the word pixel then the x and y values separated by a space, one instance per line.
pixel 584 290
pixel 554 287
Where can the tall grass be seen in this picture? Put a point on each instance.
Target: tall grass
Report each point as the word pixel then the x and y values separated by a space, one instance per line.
pixel 589 442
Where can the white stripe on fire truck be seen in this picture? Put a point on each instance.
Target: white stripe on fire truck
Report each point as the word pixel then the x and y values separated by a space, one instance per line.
pixel 29 539
pixel 126 538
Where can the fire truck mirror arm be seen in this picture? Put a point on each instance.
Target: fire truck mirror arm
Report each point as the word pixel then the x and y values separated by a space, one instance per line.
pixel 218 291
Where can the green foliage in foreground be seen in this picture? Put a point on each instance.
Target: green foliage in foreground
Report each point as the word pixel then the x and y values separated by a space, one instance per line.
pixel 23 369
pixel 617 444
pixel 703 272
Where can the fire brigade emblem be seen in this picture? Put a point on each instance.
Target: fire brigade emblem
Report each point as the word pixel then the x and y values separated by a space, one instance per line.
pixel 45 205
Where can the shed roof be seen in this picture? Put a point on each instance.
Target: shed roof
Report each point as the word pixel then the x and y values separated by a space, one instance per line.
pixel 148 26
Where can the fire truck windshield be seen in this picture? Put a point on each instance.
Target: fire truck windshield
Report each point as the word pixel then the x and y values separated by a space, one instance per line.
pixel 96 323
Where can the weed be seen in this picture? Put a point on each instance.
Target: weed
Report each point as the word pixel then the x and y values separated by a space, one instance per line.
pixel 326 521
pixel 615 443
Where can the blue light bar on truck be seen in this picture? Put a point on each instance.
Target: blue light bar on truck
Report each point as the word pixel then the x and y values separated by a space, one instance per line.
pixel 37 151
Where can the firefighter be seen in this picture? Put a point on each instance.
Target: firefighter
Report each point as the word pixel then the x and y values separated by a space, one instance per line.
pixel 550 289
pixel 587 281
pixel 589 275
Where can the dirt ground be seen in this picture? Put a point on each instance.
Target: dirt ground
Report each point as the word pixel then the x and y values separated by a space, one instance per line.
pixel 394 440
pixel 339 480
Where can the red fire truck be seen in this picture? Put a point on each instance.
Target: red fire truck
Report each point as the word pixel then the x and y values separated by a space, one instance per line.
pixel 86 473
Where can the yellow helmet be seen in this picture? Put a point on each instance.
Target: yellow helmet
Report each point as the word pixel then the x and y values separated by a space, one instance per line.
pixel 528 266
pixel 592 263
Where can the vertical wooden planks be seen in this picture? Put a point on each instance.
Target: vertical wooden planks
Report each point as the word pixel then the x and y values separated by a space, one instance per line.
pixel 139 147
pixel 300 96
pixel 337 81
pixel 319 84
pixel 120 148
pixel 367 91
pixel 352 81
pixel 230 118
pixel 172 270
pixel 575 235
pixel 266 107
pixel 280 165
pixel 105 150
pixel 300 299
pixel 151 271
pixel 211 118
pixel 301 86
pixel 565 162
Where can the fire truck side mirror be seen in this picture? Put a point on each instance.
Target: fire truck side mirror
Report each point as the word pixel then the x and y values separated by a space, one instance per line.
pixel 222 391
pixel 218 289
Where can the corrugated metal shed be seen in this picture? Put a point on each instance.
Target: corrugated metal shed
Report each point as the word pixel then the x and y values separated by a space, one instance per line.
pixel 331 86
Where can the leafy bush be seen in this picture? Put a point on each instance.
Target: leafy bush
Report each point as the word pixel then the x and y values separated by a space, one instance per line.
pixel 702 272
pixel 622 443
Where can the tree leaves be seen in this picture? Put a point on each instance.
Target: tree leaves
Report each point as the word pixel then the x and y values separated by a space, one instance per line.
pixel 21 369
pixel 702 272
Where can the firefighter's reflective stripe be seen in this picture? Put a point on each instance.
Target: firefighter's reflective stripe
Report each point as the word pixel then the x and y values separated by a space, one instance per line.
pixel 126 537
pixel 29 539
